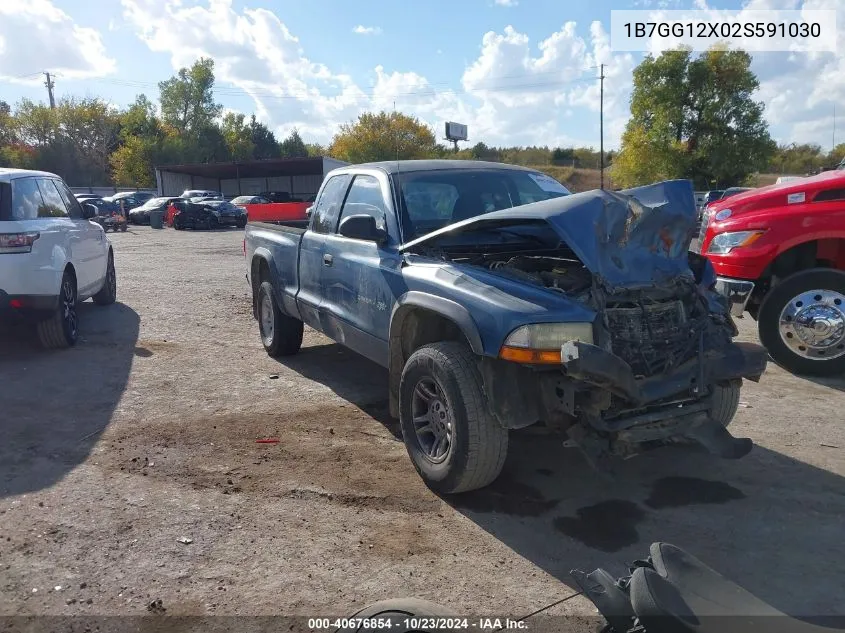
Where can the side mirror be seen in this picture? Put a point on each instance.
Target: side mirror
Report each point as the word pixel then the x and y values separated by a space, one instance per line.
pixel 362 227
pixel 89 211
pixel 308 211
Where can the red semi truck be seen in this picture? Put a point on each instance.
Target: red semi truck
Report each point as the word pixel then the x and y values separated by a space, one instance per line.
pixel 779 253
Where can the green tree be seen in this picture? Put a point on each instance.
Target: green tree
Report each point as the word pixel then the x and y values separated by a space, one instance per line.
pixel 316 149
pixel 694 118
pixel 293 146
pixel 263 140
pixel 187 99
pixel 133 162
pixel 90 127
pixel 237 136
pixel 383 136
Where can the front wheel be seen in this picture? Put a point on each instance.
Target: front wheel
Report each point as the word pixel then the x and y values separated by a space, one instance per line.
pixel 802 322
pixel 281 334
pixel 108 293
pixel 454 442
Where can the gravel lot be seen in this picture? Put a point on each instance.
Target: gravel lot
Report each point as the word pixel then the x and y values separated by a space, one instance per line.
pixel 145 434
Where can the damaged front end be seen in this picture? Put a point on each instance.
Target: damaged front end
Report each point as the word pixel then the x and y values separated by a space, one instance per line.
pixel 660 364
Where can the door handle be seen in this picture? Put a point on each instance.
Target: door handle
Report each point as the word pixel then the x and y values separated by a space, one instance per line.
pixel 327 260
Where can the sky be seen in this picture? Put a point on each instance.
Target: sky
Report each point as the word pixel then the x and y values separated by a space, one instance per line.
pixel 517 72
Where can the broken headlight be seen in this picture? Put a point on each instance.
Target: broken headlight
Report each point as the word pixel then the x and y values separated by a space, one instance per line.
pixel 540 343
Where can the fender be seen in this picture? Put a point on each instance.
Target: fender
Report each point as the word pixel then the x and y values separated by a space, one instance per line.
pixel 261 253
pixel 446 308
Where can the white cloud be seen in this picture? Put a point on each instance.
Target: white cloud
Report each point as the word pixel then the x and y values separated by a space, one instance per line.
pixel 512 93
pixel 507 3
pixel 367 30
pixel 36 35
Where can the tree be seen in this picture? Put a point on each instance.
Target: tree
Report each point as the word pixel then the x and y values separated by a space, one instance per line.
pixel 694 118
pixel 383 136
pixel 293 146
pixel 91 128
pixel 237 136
pixel 187 99
pixel 315 149
pixel 263 140
pixel 132 163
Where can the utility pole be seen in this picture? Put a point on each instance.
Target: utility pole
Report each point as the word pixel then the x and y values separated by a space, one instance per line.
pixel 601 125
pixel 50 83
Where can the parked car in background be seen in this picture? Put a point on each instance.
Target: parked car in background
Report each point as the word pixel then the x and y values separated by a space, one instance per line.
pixel 109 215
pixel 699 198
pixel 250 200
pixel 228 214
pixel 711 196
pixel 193 215
pixel 206 198
pixel 779 252
pixel 732 191
pixel 51 255
pixel 492 313
pixel 278 196
pixel 87 196
pixel 141 215
pixel 130 199
pixel 201 193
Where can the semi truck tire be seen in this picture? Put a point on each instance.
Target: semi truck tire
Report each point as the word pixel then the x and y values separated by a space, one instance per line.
pixel 802 322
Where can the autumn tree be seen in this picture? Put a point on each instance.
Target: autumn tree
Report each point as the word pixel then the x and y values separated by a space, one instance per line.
pixel 264 141
pixel 694 118
pixel 383 136
pixel 237 136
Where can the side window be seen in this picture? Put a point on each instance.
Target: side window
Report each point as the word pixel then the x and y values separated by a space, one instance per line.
pixel 365 198
pixel 54 206
pixel 70 201
pixel 327 207
pixel 26 199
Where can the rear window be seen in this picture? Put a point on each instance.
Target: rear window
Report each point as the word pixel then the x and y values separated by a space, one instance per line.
pixel 434 199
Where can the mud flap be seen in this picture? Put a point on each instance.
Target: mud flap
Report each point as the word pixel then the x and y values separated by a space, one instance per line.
pixel 719 441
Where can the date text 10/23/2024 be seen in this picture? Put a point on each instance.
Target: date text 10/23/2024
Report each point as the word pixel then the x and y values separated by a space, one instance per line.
pixel 416 623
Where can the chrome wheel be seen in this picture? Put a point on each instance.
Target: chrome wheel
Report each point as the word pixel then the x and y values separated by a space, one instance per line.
pixel 432 420
pixel 265 315
pixel 68 307
pixel 812 324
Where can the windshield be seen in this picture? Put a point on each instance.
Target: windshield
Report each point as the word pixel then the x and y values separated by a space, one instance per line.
pixel 153 202
pixel 221 205
pixel 434 199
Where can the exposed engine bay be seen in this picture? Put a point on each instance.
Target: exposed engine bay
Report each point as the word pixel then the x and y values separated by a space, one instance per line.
pixel 567 275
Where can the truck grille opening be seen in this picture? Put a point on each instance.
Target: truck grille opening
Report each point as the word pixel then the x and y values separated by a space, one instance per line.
pixel 649 336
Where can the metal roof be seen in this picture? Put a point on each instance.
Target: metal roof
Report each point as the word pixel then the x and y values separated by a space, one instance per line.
pixel 251 168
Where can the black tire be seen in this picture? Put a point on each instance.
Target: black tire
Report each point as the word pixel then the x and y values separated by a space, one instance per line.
pixel 123 227
pixel 477 444
pixel 61 329
pixel 177 224
pixel 241 224
pixel 725 401
pixel 281 334
pixel 768 322
pixel 397 610
pixel 211 223
pixel 108 293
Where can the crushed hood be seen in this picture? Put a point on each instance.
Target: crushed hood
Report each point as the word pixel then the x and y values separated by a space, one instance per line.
pixel 627 238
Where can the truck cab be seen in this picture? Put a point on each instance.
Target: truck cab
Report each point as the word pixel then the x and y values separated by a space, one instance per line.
pixel 779 253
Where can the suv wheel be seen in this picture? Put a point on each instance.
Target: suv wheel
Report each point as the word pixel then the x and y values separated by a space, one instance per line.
pixel 62 328
pixel 108 293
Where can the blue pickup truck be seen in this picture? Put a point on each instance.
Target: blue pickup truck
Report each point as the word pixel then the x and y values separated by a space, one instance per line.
pixel 497 300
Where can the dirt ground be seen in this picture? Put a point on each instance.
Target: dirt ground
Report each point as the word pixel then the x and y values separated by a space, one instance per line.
pixel 144 436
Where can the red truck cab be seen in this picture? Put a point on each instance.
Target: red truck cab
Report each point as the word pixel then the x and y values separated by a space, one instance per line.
pixel 779 253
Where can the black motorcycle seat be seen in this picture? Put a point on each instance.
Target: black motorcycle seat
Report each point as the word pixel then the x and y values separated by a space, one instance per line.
pixel 683 594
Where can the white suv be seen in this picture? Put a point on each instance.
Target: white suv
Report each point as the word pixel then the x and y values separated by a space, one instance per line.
pixel 51 256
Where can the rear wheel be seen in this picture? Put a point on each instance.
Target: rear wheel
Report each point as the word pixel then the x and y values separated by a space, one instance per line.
pixel 454 442
pixel 802 322
pixel 61 329
pixel 281 334
pixel 211 223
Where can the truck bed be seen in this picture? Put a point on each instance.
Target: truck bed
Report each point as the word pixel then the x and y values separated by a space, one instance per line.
pixel 279 240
